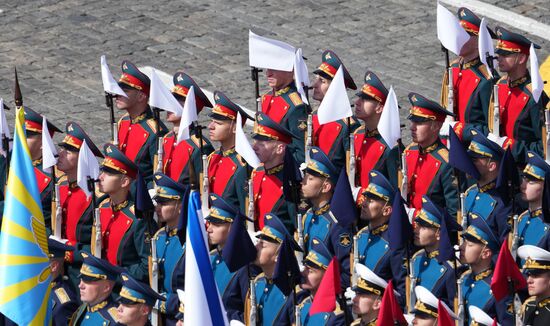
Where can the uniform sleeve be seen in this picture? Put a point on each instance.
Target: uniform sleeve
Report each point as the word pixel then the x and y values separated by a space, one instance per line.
pixel 504 317
pixel 529 137
pixel 297 117
pixel 450 191
pixel 235 295
pixel 241 187
pixel 399 274
pixel 479 110
pixel 340 244
pixel 391 166
pixel 501 214
pixel 140 270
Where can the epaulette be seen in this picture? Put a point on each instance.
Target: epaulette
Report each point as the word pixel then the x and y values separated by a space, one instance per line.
pixel 62 180
pixel 295 98
pixel 125 116
pixel 522 215
pixel 62 295
pixel 259 276
pixel 213 252
pixel 469 189
pixel 210 156
pixel 132 208
pixel 152 124
pixel 240 160
pixel 169 134
pixel 114 313
pixel 105 202
pixel 527 302
pixel 408 147
pixel 338 311
pixel 365 229
pixel 455 61
pixel 529 88
pixel 359 130
pixel 332 216
pixel 356 322
pixel 484 71
pixel 465 274
pixel 502 79
pixel 196 140
pixel 307 299
pixel 444 153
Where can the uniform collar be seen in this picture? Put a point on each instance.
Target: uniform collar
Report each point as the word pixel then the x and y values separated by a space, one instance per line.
pixel 536 213
pixel 432 254
pixel 140 117
pixel 282 91
pixel 379 229
pixel 120 206
pixel 430 148
pixel 321 210
pixel 483 274
pixel 371 133
pixel 487 187
pixel 543 302
pixel 73 184
pixel 227 152
pixel 97 306
pixel 372 322
pixel 37 162
pixel 517 82
pixel 470 64
pixel 171 231
pixel 275 169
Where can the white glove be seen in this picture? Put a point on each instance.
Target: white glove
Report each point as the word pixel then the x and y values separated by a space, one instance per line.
pixel 497 139
pixel 349 294
pixel 410 213
pixel 253 235
pixel 235 322
pixel 356 191
pixel 152 193
pixel 445 128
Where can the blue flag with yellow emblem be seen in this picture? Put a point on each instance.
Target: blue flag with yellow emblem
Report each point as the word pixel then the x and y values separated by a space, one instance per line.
pixel 25 275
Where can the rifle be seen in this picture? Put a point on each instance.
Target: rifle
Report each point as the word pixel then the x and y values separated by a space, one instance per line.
pixel 464 222
pixel 56 203
pixel 460 312
pixel 309 136
pixel 254 76
pixel 411 289
pixel 515 238
pixel 547 123
pixel 250 220
pixel 97 243
pixel 114 126
pixel 352 163
pixel 160 148
pixel 297 314
pixel 253 308
pixel 450 86
pixel 355 261
pixel 404 181
pixel 154 278
pixel 300 230
pixel 495 119
pixel 205 182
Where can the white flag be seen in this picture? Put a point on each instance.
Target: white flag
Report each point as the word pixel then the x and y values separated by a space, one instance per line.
pixel 301 75
pixel 49 151
pixel 4 128
pixel 109 84
pixel 335 105
pixel 485 45
pixel 267 53
pixel 449 31
pixel 188 116
pixel 243 147
pixel 389 125
pixel 161 97
pixel 536 79
pixel 87 167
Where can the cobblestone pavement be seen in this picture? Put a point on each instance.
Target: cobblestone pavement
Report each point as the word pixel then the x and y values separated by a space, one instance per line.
pixel 536 9
pixel 56 45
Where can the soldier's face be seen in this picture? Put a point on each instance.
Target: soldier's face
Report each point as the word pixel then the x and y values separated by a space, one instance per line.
pixel 320 87
pixel 531 190
pixel 422 132
pixel 424 321
pixel 507 62
pixel 68 160
pixel 539 284
pixel 93 292
pixel 278 79
pixel 266 150
pixel 311 185
pixel 129 314
pixel 365 303
pixel 367 108
pixel 425 236
pixel 35 143
pixel 373 209
pixel 470 252
pixel 470 47
pixel 267 253
pixel 134 97
pixel 312 278
pixel 219 130
pixel 171 117
pixel 168 211
pixel 110 182
pixel 482 165
pixel 217 233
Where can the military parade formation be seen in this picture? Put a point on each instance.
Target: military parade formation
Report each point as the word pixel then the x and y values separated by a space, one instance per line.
pixel 452 229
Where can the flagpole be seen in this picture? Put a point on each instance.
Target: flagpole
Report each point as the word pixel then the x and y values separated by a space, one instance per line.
pixel 255 78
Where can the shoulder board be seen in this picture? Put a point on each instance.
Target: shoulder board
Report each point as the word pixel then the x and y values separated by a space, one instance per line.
pixel 410 146
pixel 132 209
pixel 365 229
pixel 196 140
pixel 444 153
pixel 469 189
pixel 125 116
pixel 152 124
pixel 213 251
pixel 240 159
pixel 455 62
pixel 106 202
pixel 529 88
pixel 527 302
pixel 114 313
pixel 62 295
pixel 295 98
pixel 421 251
pixel 338 310
pixel 211 154
pixel 62 180
pixel 502 79
pixel 259 276
pixel 465 274
pixel 522 215
pixel 359 130
pixel 332 217
pixel 484 72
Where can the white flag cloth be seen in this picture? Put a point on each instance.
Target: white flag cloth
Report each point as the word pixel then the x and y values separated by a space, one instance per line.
pixel 389 125
pixel 449 31
pixel 109 83
pixel 161 97
pixel 4 128
pixel 301 75
pixel 188 116
pixel 267 53
pixel 335 105
pixel 485 45
pixel 87 167
pixel 536 79
pixel 203 304
pixel 49 151
pixel 243 147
